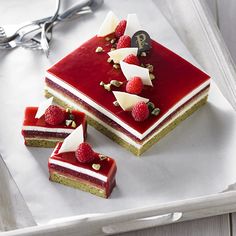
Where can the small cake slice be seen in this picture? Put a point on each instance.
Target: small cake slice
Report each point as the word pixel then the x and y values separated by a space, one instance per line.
pixel 83 169
pixel 48 131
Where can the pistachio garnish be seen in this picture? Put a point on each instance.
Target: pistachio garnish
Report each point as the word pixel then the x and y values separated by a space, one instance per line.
pixel 96 166
pixel 116 66
pixel 151 106
pixel 68 110
pixel 109 60
pixel 156 111
pixel 152 76
pixel 99 49
pixel 102 83
pixel 112 49
pixel 68 122
pixel 107 87
pixel 116 104
pixel 102 157
pixel 113 41
pixel 116 83
pixel 73 124
pixel 71 116
pixel 107 39
pixel 143 54
pixel 150 67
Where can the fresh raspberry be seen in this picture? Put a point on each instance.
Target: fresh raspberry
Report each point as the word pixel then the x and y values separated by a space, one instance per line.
pixel 124 42
pixel 120 28
pixel 54 115
pixel 140 111
pixel 134 85
pixel 84 153
pixel 132 59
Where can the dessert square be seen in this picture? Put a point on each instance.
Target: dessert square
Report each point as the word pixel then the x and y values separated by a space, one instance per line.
pixel 96 177
pixel 177 90
pixel 38 133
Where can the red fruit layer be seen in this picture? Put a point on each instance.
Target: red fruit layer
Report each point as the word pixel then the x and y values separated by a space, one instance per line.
pixel 28 133
pixel 108 168
pixel 107 120
pixel 30 120
pixel 84 69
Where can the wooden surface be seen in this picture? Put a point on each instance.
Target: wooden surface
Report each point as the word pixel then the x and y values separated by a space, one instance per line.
pixel 223 225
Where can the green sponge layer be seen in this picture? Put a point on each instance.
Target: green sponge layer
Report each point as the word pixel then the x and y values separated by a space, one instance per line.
pixel 55 176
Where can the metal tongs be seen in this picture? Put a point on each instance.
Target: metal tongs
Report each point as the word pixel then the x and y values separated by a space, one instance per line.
pixel 38 34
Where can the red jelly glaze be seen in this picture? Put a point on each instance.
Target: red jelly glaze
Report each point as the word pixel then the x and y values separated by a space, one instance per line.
pixel 108 168
pixel 84 69
pixel 30 120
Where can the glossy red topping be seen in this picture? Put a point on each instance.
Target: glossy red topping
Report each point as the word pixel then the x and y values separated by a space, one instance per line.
pixel 120 28
pixel 175 78
pixel 134 85
pixel 132 59
pixel 140 111
pixel 84 153
pixel 124 42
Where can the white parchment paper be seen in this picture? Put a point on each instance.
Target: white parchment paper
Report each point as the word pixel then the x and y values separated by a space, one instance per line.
pixel 196 159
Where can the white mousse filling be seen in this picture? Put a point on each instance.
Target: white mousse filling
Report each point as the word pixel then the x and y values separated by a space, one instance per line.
pixel 114 117
pixel 118 133
pixel 78 169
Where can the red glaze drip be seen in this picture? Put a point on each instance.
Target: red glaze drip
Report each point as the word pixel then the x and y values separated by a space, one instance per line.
pixel 84 69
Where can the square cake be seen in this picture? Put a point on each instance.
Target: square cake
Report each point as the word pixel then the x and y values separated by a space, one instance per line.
pixel 96 176
pixel 94 79
pixel 38 133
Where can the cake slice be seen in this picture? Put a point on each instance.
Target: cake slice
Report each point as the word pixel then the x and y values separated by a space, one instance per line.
pixel 40 132
pixel 91 172
pixel 99 78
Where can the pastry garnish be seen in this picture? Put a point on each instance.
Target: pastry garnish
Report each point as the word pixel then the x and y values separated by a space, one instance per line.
pixel 115 83
pixel 96 166
pixel 150 67
pixel 152 76
pixel 54 115
pixel 142 41
pixel 156 111
pixel 113 41
pixel 99 49
pixel 124 42
pixel 84 153
pixel 102 157
pixel 132 59
pixel 134 85
pixel 68 122
pixel 120 29
pixel 151 106
pixel 140 111
pixel 152 109
pixel 116 66
pixel 143 54
pixel 116 104
pixel 121 53
pixel 107 39
pixel 73 124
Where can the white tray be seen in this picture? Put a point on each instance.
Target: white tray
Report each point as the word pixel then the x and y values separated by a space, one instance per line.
pixel 180 178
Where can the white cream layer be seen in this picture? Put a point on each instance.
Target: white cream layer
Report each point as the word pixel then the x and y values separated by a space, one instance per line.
pixel 78 169
pixel 118 133
pixel 115 118
pixel 44 129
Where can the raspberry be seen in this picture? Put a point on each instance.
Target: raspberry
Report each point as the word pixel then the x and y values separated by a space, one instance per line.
pixel 124 42
pixel 84 153
pixel 140 111
pixel 132 59
pixel 54 115
pixel 134 85
pixel 120 28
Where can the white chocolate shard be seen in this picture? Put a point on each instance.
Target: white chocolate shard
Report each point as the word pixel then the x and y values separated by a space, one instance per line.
pixel 120 54
pixel 71 142
pixel 43 106
pixel 127 100
pixel 132 25
pixel 109 25
pixel 130 71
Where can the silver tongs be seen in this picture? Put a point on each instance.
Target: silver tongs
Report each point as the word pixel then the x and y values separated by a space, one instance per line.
pixel 37 34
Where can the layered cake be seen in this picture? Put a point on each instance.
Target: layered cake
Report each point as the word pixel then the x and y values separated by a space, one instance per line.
pixel 132 89
pixel 51 127
pixel 83 168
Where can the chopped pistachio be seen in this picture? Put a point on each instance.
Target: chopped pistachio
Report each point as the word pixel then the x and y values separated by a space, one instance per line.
pixel 152 76
pixel 116 83
pixel 150 67
pixel 99 49
pixel 71 117
pixel 151 106
pixel 112 49
pixel 142 65
pixel 68 122
pixel 102 157
pixel 107 39
pixel 96 166
pixel 143 54
pixel 156 111
pixel 107 87
pixel 116 66
pixel 116 103
pixel 102 83
pixel 73 125
pixel 68 110
pixel 109 60
pixel 113 41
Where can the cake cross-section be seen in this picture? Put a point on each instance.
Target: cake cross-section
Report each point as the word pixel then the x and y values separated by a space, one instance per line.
pixel 133 96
